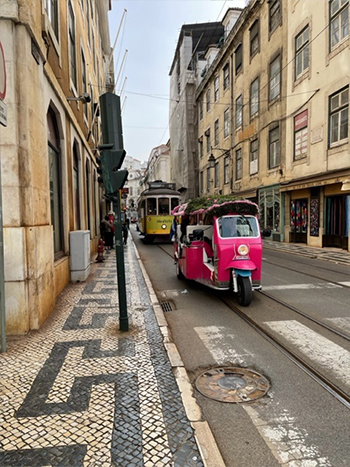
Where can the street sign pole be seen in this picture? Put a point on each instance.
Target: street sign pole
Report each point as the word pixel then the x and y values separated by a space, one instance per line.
pixel 123 310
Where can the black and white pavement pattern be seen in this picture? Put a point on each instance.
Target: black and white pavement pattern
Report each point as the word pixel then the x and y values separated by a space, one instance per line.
pixel 78 392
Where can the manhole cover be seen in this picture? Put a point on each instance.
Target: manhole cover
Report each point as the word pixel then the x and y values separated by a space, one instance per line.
pixel 228 384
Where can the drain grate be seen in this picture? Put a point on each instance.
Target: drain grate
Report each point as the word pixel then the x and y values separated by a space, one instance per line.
pixel 166 307
pixel 229 384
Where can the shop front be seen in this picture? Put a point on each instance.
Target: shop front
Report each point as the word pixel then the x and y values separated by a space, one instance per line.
pixel 337 213
pixel 270 211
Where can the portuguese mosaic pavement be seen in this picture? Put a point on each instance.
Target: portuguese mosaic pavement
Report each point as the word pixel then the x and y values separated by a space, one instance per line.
pixel 80 393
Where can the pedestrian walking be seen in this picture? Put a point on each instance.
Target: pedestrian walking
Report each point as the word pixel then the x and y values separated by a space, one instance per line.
pixel 108 233
pixel 125 232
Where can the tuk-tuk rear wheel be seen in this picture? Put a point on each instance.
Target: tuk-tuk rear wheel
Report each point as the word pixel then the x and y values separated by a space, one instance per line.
pixel 245 292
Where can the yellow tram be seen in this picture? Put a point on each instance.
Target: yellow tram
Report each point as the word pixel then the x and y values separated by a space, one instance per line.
pixel 154 210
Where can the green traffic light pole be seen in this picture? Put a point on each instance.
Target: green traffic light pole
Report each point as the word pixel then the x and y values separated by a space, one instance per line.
pixel 123 310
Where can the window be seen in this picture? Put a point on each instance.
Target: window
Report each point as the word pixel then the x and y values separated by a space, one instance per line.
pixel 87 174
pixel 302 52
pixel 55 182
pixel 84 82
pixel 216 174
pixel 76 187
pixel 226 123
pixel 238 59
pixel 254 152
pixel 338 116
pixel 274 14
pixel 275 78
pixel 274 148
pixel 52 13
pixel 226 73
pixel 201 187
pixel 200 143
pixel 300 135
pixel 73 57
pixel 339 21
pixel 208 100
pixel 216 132
pixel 216 89
pixel 254 38
pixel 163 206
pixel 208 179
pixel 254 97
pixel 239 112
pixel 201 109
pixel 207 136
pixel 227 169
pixel 93 51
pixel 88 21
pixel 238 164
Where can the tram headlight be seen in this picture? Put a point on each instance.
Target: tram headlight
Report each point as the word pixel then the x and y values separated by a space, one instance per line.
pixel 243 250
pixel 164 226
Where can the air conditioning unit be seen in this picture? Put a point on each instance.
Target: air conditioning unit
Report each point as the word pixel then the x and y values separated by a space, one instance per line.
pixel 79 259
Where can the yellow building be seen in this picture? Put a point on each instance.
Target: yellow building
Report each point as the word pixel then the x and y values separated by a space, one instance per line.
pixel 57 60
pixel 242 110
pixel 317 178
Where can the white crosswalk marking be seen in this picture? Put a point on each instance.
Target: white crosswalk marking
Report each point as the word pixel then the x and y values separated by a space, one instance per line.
pixel 342 323
pixel 316 347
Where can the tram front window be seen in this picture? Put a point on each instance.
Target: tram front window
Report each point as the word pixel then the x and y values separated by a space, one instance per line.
pixel 174 202
pixel 163 206
pixel 152 206
pixel 238 226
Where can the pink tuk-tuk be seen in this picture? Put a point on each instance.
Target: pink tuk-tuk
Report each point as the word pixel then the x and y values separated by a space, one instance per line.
pixel 217 242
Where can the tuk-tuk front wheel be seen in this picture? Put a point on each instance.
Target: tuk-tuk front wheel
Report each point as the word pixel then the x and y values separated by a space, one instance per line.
pixel 245 292
pixel 179 274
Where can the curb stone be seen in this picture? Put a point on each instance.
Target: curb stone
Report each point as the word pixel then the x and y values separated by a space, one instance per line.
pixel 204 437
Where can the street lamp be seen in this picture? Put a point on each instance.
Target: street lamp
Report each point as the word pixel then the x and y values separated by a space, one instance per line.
pixel 211 161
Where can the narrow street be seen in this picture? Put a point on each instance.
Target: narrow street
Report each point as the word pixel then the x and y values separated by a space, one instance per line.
pixel 297 420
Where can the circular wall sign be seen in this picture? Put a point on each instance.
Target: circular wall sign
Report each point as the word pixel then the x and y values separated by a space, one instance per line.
pixel 2 73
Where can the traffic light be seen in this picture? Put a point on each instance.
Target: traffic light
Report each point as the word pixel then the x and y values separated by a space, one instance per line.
pixel 111 160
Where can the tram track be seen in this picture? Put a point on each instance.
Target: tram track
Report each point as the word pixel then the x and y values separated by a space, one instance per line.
pixel 315 374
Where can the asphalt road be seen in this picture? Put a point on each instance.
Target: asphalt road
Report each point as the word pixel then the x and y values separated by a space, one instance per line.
pixel 297 423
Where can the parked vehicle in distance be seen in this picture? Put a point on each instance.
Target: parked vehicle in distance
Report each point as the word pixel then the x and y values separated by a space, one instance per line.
pixel 218 243
pixel 154 210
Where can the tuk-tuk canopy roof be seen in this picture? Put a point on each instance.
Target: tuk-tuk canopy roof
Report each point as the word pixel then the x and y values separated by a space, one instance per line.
pixel 217 205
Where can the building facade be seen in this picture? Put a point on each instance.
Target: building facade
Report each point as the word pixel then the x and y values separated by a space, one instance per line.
pixel 58 60
pixel 317 182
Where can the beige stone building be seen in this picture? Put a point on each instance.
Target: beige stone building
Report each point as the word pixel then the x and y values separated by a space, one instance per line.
pixel 317 172
pixel 57 60
pixel 242 110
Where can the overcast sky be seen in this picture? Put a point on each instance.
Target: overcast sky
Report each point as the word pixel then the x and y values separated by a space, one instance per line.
pixel 150 32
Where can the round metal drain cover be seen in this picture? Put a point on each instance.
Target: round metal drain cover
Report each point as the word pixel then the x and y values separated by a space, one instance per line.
pixel 229 384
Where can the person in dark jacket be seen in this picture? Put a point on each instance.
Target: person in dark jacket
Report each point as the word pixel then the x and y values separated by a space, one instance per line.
pixel 125 232
pixel 108 232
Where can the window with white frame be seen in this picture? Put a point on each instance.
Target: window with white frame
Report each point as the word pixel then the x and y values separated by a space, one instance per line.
pixel 226 72
pixel 339 21
pixel 207 137
pixel 208 100
pixel 72 45
pixel 254 155
pixel 300 135
pixel 254 38
pixel 216 174
pixel 238 164
pixel 254 97
pixel 216 132
pixel 275 78
pixel 226 123
pixel 227 169
pixel 51 7
pixel 216 89
pixel 274 147
pixel 338 116
pixel 301 52
pixel 274 14
pixel 239 111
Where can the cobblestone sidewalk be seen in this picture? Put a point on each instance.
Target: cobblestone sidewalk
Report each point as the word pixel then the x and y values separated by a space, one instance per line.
pixel 80 393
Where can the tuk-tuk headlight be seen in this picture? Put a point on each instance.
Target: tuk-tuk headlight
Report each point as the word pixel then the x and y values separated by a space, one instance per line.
pixel 243 250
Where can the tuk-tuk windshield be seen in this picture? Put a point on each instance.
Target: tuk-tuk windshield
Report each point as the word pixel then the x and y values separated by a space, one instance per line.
pixel 238 226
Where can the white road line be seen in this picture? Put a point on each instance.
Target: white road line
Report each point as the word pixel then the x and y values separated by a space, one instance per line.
pixel 342 323
pixel 326 353
pixel 321 285
pixel 347 284
pixel 287 442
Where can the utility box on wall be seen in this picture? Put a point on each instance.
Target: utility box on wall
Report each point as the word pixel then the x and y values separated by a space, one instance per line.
pixel 79 259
